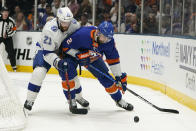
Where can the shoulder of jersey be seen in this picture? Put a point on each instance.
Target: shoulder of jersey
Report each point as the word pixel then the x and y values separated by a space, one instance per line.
pixel 11 19
pixel 51 26
pixel 74 21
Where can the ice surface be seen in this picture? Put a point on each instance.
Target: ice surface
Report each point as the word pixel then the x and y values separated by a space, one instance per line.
pixel 50 111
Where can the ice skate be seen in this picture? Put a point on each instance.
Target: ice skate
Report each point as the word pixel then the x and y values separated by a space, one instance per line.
pixel 123 104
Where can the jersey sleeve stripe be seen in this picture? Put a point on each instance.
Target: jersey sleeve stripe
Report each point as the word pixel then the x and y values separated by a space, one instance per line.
pixel 113 61
pixel 45 52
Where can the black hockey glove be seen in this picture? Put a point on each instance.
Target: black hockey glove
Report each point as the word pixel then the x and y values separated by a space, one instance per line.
pixel 62 65
pixel 121 82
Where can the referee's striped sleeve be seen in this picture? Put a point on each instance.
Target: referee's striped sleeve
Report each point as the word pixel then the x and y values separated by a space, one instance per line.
pixel 12 30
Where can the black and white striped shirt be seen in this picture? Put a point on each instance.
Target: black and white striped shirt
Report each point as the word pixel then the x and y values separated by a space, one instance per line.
pixel 7 27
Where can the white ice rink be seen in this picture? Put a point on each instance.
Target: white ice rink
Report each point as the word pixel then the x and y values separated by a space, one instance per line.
pixel 50 111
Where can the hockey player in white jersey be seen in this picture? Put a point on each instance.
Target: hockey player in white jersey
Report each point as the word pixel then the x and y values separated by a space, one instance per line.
pixel 53 33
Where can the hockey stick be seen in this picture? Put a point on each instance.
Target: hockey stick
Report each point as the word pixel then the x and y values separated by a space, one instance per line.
pixel 156 107
pixel 71 108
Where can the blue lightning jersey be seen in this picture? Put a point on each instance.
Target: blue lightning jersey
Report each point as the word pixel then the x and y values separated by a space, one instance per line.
pixel 83 39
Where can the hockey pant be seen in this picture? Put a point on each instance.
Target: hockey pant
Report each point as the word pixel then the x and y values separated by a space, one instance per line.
pixel 109 86
pixel 40 69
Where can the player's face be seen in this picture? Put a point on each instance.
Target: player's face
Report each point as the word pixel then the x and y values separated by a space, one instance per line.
pixel 64 25
pixel 102 38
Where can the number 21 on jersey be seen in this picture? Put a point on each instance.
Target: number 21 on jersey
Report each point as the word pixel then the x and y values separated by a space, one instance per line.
pixel 47 40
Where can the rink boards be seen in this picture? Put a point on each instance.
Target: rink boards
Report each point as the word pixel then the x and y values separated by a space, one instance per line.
pixel 167 64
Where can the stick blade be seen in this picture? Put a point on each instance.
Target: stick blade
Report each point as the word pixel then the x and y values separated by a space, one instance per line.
pixel 79 111
pixel 169 110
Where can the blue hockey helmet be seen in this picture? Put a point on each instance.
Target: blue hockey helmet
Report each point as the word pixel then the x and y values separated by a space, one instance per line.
pixel 107 29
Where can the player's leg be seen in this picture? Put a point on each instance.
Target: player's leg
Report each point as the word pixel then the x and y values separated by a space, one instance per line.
pixel 34 86
pixel 110 86
pixel 40 69
pixel 83 102
pixel 74 84
pixel 72 73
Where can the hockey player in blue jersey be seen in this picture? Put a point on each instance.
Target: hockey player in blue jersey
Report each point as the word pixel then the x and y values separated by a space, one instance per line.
pixel 53 33
pixel 87 46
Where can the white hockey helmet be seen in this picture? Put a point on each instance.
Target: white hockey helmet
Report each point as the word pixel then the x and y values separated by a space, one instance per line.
pixel 64 14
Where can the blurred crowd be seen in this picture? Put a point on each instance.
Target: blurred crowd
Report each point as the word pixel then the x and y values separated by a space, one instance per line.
pixel 22 11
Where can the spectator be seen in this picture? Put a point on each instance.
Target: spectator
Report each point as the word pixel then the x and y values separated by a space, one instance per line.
pixel 7 30
pixel 150 24
pixel 131 24
pixel 102 8
pixel 46 14
pixel 114 13
pixel 106 17
pixel 132 28
pixel 84 20
pixel 167 9
pixel 16 11
pixel 20 22
pixel 56 5
pixel 74 7
pixel 166 25
pixel 41 8
pixel 126 22
pixel 155 10
pixel 130 6
pixel 85 7
pixel 30 20
pixel 147 9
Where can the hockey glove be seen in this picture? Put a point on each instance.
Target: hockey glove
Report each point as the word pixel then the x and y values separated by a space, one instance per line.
pixel 83 58
pixel 121 82
pixel 86 57
pixel 62 65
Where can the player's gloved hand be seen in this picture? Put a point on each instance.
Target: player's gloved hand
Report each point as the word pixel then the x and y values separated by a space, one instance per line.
pixel 86 57
pixel 62 65
pixel 121 82
pixel 83 58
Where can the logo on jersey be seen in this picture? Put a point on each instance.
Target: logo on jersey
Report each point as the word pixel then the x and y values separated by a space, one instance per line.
pixel 54 28
pixel 60 11
pixel 68 15
pixel 69 41
pixel 74 21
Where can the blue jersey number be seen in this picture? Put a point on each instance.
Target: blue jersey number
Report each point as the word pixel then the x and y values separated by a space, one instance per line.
pixel 47 40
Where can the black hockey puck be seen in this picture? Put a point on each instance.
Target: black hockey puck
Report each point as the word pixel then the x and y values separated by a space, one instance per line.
pixel 136 119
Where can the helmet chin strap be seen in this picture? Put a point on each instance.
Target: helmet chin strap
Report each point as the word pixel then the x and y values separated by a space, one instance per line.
pixel 96 36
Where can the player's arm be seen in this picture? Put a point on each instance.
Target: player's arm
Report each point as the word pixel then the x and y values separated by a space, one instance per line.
pixel 75 25
pixel 49 55
pixel 71 46
pixel 113 60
